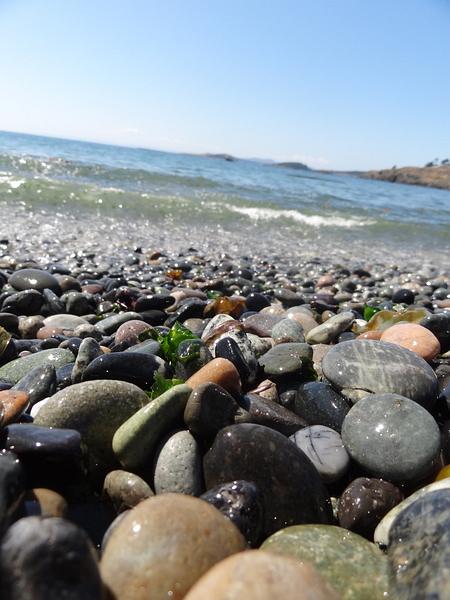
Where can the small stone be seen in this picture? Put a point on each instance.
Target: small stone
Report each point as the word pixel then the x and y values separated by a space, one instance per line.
pixel 261 575
pixel 319 404
pixel 39 383
pixel 413 337
pixel 111 324
pixel 178 466
pixel 327 332
pixel 63 321
pixel 287 330
pixel 261 411
pixel 88 351
pixel 125 490
pixel 45 503
pixel 392 437
pixel 34 279
pixel 209 408
pixel 164 545
pixel 16 369
pixel 220 371
pixel 12 487
pixel 285 359
pixel 135 440
pixel 134 367
pixel 355 568
pixel 12 404
pixel 325 450
pixel 129 331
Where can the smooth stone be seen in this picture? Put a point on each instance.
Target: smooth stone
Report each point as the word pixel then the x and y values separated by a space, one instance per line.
pixel 96 409
pixel 256 301
pixel 355 568
pixel 29 326
pixel 261 575
pixel 413 337
pixel 403 296
pixel 381 535
pixel 77 303
pixel 63 321
pixel 9 321
pixel 45 503
pixel 164 545
pixel 12 404
pixel 242 503
pixel 34 279
pixel 52 303
pixel 153 302
pixel 15 370
pixel 192 355
pixel 12 487
pixel 439 325
pixel 209 408
pixel 304 318
pixel 267 389
pixel 146 347
pixel 132 367
pixel 237 348
pixel 380 367
pixel 110 325
pixel 213 325
pixel 220 371
pixel 324 448
pixel 125 490
pixel 28 440
pixel 287 330
pixel 88 351
pixel 285 359
pixel 129 331
pixel 39 383
pixel 392 437
pixel 421 531
pixel 28 302
pixel 48 557
pixel 291 486
pixel 319 404
pixel 262 324
pixel 328 332
pixel 113 525
pixel 364 502
pixel 261 411
pixel 178 466
pixel 135 440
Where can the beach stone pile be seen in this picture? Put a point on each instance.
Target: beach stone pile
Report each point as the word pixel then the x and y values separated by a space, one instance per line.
pixel 182 426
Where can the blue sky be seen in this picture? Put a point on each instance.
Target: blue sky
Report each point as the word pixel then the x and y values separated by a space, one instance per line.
pixel 344 84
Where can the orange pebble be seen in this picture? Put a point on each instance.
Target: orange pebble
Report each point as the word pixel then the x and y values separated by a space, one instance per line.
pixel 413 337
pixel 220 371
pixel 12 404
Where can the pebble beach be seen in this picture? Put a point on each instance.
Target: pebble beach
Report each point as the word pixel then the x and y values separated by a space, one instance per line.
pixel 219 409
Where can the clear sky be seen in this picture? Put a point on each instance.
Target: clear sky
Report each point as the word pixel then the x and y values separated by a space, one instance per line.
pixel 345 84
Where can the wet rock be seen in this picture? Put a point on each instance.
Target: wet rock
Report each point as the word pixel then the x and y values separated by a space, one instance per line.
pixel 319 404
pixel 220 371
pixel 178 466
pixel 15 370
pixel 34 279
pixel 39 383
pixel 12 487
pixel 413 337
pixel 27 303
pixel 285 359
pixel 261 411
pixel 327 332
pixel 125 490
pixel 209 408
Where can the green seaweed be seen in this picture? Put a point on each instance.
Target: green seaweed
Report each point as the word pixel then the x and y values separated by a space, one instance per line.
pixel 161 385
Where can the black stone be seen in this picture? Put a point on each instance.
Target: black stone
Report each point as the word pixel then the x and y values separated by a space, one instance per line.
pixel 403 296
pixel 134 367
pixel 262 411
pixel 319 404
pixel 228 348
pixel 157 302
pixel 209 408
pixel 12 487
pixel 39 383
pixel 439 324
pixel 28 302
pixel 256 301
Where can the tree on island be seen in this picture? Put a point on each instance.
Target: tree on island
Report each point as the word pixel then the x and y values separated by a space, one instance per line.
pixel 446 161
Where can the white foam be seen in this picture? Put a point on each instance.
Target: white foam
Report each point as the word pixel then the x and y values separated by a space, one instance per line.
pixel 268 214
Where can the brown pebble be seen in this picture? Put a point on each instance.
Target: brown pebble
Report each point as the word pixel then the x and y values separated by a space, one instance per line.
pixel 47 332
pixel 261 575
pixel 13 403
pixel 325 281
pixel 413 337
pixel 47 503
pixel 129 331
pixel 220 371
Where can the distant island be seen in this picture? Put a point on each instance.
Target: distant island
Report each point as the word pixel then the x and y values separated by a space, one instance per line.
pixel 432 175
pixel 293 165
pixel 227 157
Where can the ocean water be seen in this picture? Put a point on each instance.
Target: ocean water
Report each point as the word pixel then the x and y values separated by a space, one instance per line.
pixel 138 196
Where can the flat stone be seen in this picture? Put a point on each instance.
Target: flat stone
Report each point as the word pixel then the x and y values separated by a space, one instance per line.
pixel 261 411
pixel 392 437
pixel 48 557
pixel 133 367
pixel 39 383
pixel 380 367
pixel 96 409
pixel 291 486
pixel 285 359
pixel 381 535
pixel 34 279
pixel 125 490
pixel 209 408
pixel 242 503
pixel 324 448
pixel 111 324
pixel 364 502
pixel 63 321
pixel 261 575
pixel 355 568
pixel 329 331
pixel 18 368
pixel 287 330
pixel 319 404
pixel 129 331
pixel 164 545
pixel 421 529
pixel 135 440
pixel 29 440
pixel 414 337
pixel 178 466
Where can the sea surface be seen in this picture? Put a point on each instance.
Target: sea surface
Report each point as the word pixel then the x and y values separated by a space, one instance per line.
pixel 66 192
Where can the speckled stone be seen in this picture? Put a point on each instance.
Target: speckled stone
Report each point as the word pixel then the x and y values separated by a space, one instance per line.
pixel 287 330
pixel 414 337
pixel 380 367
pixel 178 466
pixel 391 437
pixel 327 332
pixel 96 409
pixel 261 575
pixel 292 489
pixel 324 448
pixel 285 359
pixel 135 440
pixel 364 502
pixel 419 548
pixel 355 568
pixel 164 545
pixel 16 369
pixel 381 535
pixel 48 557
